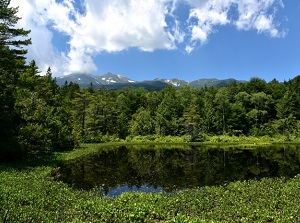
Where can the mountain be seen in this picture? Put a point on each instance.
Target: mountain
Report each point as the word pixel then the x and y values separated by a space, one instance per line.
pixel 115 81
pixel 82 79
pixel 149 85
pixel 200 83
pixel 111 78
pixel 204 82
pixel 85 79
pixel 174 81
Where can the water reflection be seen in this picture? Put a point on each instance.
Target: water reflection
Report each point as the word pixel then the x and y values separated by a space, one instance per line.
pixel 114 170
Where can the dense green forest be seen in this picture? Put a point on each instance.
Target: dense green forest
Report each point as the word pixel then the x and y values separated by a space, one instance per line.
pixel 37 117
pixel 255 108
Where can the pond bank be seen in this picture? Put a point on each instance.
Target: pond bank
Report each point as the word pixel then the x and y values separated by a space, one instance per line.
pixel 29 193
pixel 215 139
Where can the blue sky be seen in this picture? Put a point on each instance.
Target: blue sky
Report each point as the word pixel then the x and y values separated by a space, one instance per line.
pixel 187 39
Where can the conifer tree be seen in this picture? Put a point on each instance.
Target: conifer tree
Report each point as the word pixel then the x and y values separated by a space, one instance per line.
pixel 12 62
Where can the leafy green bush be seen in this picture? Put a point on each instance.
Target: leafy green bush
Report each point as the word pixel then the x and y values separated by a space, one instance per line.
pixel 92 138
pixel 157 138
pixel 248 139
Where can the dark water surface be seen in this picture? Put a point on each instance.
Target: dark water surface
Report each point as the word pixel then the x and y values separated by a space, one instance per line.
pixel 151 168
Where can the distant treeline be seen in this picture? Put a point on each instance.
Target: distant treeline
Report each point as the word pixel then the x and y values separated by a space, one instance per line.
pixel 255 108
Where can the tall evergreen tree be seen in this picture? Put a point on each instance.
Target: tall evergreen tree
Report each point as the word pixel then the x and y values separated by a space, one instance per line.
pixel 12 63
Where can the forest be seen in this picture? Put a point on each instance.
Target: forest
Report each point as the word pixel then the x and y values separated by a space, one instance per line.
pixel 38 117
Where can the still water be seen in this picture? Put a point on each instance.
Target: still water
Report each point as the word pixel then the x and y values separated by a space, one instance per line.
pixel 152 168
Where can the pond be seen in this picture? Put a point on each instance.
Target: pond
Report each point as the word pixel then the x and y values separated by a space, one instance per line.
pixel 152 168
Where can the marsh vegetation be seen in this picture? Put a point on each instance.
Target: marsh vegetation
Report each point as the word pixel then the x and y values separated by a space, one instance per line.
pixel 31 191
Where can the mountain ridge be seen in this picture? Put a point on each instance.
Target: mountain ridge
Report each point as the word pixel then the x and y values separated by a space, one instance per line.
pixel 116 81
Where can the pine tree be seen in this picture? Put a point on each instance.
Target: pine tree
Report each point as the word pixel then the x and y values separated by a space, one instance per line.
pixel 12 62
pixel 11 42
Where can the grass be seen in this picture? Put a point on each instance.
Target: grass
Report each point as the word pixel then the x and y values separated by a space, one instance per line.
pixel 28 193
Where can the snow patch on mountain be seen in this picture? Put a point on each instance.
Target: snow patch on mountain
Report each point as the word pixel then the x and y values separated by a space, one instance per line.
pixel 175 82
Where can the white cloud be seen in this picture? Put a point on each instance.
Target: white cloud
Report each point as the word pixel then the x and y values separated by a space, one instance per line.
pixel 264 23
pixel 205 15
pixel 256 14
pixel 117 25
pixel 122 24
pixel 42 49
pixel 197 3
pixel 106 25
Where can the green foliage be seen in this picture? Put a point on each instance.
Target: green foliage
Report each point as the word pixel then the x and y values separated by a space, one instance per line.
pixel 101 138
pixel 158 138
pixel 236 110
pixel 45 124
pixel 12 63
pixel 247 139
pixel 142 123
pixel 33 121
pixel 222 104
pixel 12 39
